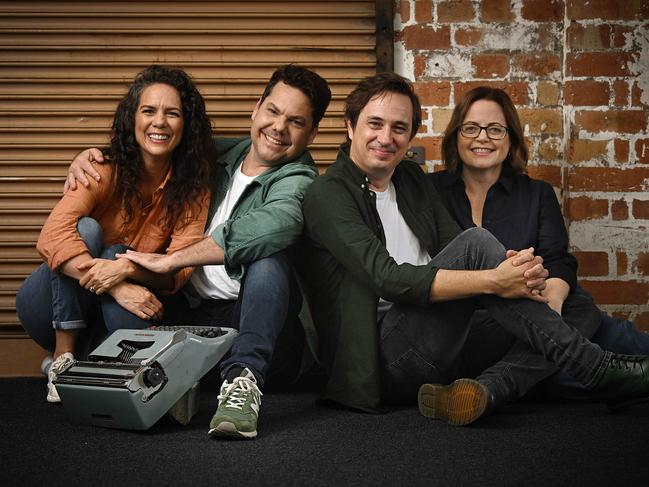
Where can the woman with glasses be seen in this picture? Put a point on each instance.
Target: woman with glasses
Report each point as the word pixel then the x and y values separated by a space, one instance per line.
pixel 484 185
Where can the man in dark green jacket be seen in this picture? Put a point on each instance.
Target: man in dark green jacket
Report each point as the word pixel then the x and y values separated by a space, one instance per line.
pixel 244 277
pixel 392 282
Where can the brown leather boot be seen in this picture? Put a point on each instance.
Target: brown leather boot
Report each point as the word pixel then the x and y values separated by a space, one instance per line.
pixel 462 402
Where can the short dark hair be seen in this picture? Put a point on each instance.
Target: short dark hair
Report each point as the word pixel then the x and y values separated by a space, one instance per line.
pixel 314 86
pixel 381 84
pixel 516 158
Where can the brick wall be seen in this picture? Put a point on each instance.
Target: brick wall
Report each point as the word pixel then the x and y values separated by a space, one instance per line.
pixel 578 72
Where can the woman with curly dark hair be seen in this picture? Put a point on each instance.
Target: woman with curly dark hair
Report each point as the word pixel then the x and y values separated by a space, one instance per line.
pixel 157 200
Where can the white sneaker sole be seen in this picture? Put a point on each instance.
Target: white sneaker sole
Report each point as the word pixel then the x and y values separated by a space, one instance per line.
pixel 53 395
pixel 228 430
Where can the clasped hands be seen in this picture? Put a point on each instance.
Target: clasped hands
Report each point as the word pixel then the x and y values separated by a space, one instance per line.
pixel 522 275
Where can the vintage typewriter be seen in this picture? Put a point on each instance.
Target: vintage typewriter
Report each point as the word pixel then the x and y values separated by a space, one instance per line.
pixel 135 376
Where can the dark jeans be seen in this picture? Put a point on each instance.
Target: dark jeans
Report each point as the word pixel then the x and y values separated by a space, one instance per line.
pixel 271 338
pixel 429 344
pixel 49 301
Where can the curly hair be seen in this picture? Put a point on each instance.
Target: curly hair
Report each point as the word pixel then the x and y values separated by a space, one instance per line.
pixel 516 160
pixel 191 159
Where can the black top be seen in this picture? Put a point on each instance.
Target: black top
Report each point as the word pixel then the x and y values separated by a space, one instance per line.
pixel 520 212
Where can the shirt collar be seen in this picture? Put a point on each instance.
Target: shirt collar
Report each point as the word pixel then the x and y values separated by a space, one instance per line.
pixel 506 179
pixel 355 174
pixel 166 179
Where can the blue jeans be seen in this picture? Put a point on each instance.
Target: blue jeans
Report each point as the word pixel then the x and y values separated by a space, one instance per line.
pixel 428 344
pixel 271 338
pixel 49 301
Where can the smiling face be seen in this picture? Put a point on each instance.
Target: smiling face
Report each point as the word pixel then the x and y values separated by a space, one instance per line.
pixel 282 127
pixel 380 139
pixel 482 153
pixel 158 123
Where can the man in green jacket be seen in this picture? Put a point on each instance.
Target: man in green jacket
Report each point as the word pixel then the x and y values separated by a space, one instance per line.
pixel 244 278
pixel 392 283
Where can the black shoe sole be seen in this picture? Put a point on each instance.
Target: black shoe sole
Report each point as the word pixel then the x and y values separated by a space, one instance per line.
pixel 619 405
pixel 460 403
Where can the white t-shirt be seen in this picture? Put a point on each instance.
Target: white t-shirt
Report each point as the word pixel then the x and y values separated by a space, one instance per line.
pixel 212 281
pixel 403 246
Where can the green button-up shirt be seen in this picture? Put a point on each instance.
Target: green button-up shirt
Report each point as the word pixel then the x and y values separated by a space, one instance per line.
pixel 267 217
pixel 346 268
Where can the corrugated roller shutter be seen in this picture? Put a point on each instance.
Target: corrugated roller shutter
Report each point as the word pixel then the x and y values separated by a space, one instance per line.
pixel 64 65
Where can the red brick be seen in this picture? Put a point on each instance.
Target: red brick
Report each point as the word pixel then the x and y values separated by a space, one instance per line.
pixel 549 174
pixel 641 209
pixel 548 40
pixel 642 321
pixel 641 264
pixel 619 210
pixel 517 90
pixel 585 208
pixel 438 167
pixel 592 263
pixel 455 11
pixel 404 10
pixel 433 93
pixel 599 64
pixel 607 179
pixel 589 37
pixel 420 66
pixel 547 93
pixel 432 147
pixel 490 65
pixel 586 93
pixel 585 150
pixel 423 11
pixel 620 33
pixel 622 263
pixel 543 10
pixel 636 95
pixel 539 64
pixel 496 11
pixel 642 151
pixel 425 37
pixel 618 292
pixel 542 120
pixel 621 150
pixel 625 121
pixel 608 9
pixel 621 90
pixel 468 37
pixel 550 149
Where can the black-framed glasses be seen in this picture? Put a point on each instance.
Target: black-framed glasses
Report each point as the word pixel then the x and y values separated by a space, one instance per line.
pixel 494 131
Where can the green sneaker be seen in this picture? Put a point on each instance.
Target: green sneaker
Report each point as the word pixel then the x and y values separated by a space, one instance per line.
pixel 238 410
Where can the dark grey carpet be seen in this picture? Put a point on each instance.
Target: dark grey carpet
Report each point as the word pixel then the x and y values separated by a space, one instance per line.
pixel 304 443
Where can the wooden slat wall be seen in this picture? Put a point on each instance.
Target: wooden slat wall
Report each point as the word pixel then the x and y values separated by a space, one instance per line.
pixel 64 65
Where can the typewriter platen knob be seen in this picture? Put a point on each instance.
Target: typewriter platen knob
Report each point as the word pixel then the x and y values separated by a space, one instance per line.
pixel 153 377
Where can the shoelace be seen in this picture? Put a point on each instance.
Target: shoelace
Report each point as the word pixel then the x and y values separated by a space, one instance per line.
pixel 625 361
pixel 58 365
pixel 235 394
